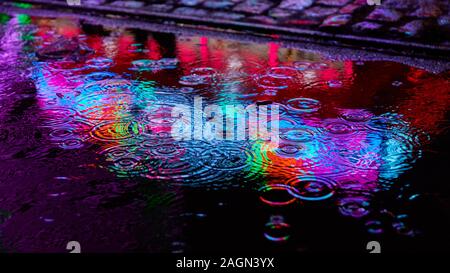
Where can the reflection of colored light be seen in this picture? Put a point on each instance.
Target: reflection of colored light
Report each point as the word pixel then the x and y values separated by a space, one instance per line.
pixel 423 109
pixel 204 50
pixel 186 55
pixel 23 19
pixel 370 151
pixel 312 188
pixel 4 18
pixel 23 5
pixel 124 55
pixel 96 43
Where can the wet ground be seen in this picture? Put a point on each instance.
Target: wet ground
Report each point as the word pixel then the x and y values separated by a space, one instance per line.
pixel 87 152
pixel 401 24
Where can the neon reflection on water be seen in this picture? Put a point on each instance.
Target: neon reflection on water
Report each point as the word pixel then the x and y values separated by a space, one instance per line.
pixel 117 94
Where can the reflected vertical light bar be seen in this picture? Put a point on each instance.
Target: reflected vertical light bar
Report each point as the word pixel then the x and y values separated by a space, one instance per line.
pixel 96 43
pixel 187 55
pixel 273 54
pixel 154 51
pixel 204 54
pixel 348 70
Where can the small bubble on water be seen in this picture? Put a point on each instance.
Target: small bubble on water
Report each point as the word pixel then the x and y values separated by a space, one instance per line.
pixel 204 72
pixel 276 195
pixel 334 83
pixel 47 220
pixel 374 227
pixel 276 230
pixel 397 83
pixel 312 188
pixel 192 80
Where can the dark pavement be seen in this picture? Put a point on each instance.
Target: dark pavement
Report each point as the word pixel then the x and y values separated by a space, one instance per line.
pixel 423 24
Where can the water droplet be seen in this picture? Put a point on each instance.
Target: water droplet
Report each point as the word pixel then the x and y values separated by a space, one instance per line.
pixel 61 133
pixel 47 220
pixel 192 80
pixel 270 92
pixel 387 121
pixel 356 115
pixel 99 63
pixel 201 215
pixel 283 72
pixel 312 188
pixel 277 230
pixel 73 143
pixel 227 158
pixel 56 116
pixel 298 135
pixel 276 195
pixel 374 227
pixel 270 82
pixel 149 65
pixel 98 76
pixel 339 128
pixel 105 105
pixel 303 105
pixel 319 66
pixel 166 150
pixel 207 72
pixel 288 149
pixel 302 65
pixel 354 206
pixel 335 83
pixel 402 226
pixel 187 89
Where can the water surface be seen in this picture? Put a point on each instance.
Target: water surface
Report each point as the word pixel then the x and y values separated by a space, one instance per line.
pixel 87 154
